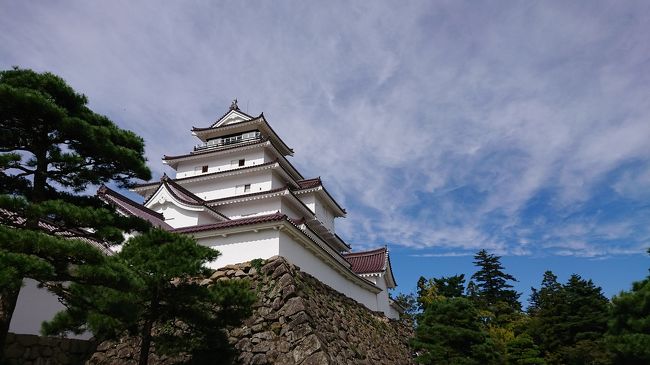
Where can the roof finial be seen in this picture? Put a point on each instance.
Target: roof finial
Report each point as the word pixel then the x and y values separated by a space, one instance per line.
pixel 233 105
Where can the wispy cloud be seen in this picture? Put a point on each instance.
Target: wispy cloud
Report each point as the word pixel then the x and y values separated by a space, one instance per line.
pixel 521 128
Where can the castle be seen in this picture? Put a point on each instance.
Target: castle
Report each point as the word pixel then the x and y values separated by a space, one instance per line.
pixel 237 192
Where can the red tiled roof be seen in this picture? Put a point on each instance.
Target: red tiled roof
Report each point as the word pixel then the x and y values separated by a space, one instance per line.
pixel 309 183
pixel 366 262
pixel 275 217
pixel 132 208
pixel 180 192
pixel 18 221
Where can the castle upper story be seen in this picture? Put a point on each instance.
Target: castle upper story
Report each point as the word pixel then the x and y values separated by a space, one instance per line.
pixel 240 169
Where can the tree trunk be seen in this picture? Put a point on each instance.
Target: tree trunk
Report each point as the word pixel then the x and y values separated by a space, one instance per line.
pixel 40 177
pixel 8 299
pixel 146 342
pixel 146 330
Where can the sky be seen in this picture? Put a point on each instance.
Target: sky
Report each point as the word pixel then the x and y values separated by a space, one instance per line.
pixel 443 127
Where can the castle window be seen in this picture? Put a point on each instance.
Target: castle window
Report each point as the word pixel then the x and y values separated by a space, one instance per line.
pixel 242 162
pixel 204 168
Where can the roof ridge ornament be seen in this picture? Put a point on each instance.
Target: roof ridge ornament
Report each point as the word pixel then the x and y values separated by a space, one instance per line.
pixel 233 105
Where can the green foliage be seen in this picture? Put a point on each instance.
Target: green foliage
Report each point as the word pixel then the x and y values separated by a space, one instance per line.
pixel 491 290
pixel 52 143
pixel 523 351
pixel 257 264
pixel 59 138
pixel 433 289
pixel 450 332
pixel 167 305
pixel 628 336
pixel 568 321
pixel 451 286
pixel 409 303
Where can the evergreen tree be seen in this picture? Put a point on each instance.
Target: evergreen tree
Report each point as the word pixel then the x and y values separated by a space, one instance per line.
pixel 169 307
pixel 439 288
pixel 493 293
pixel 569 321
pixel 450 332
pixel 629 327
pixel 523 351
pixel 409 303
pixel 451 286
pixel 52 144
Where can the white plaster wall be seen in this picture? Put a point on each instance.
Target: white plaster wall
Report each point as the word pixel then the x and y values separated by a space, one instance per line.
pixel 290 210
pixel 242 247
pixel 383 300
pixel 309 200
pixel 393 313
pixel 176 217
pixel 226 186
pixel 310 263
pixel 277 182
pixel 324 214
pixel 252 207
pixel 219 163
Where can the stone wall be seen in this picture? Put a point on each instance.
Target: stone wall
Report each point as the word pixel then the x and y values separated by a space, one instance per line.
pixel 37 350
pixel 297 320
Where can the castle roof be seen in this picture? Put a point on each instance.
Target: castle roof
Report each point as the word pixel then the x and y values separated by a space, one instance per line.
pixel 129 207
pixel 275 217
pixel 222 128
pixel 13 219
pixel 371 262
pixel 183 195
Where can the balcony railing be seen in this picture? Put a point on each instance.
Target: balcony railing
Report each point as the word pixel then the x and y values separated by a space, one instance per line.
pixel 228 141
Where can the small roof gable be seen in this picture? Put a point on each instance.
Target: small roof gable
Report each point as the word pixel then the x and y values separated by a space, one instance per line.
pixel 309 183
pixel 317 183
pixel 365 262
pixel 372 262
pixel 183 196
pixel 231 116
pixel 129 207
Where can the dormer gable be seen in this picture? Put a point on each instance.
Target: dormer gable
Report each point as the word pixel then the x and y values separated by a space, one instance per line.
pixel 232 116
pixel 168 194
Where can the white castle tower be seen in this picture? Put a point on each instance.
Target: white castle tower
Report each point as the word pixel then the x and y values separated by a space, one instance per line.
pixel 238 193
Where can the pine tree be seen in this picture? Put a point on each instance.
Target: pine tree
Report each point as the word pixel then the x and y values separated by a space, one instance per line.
pixel 523 351
pixel 450 332
pixel 451 286
pixel 570 321
pixel 493 292
pixel 628 336
pixel 169 307
pixel 52 144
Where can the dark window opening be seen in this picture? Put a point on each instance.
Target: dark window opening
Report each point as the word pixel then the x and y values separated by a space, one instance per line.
pixel 204 168
pixel 242 162
pixel 247 188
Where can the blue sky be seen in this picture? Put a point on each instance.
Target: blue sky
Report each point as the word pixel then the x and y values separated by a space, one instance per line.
pixel 443 127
